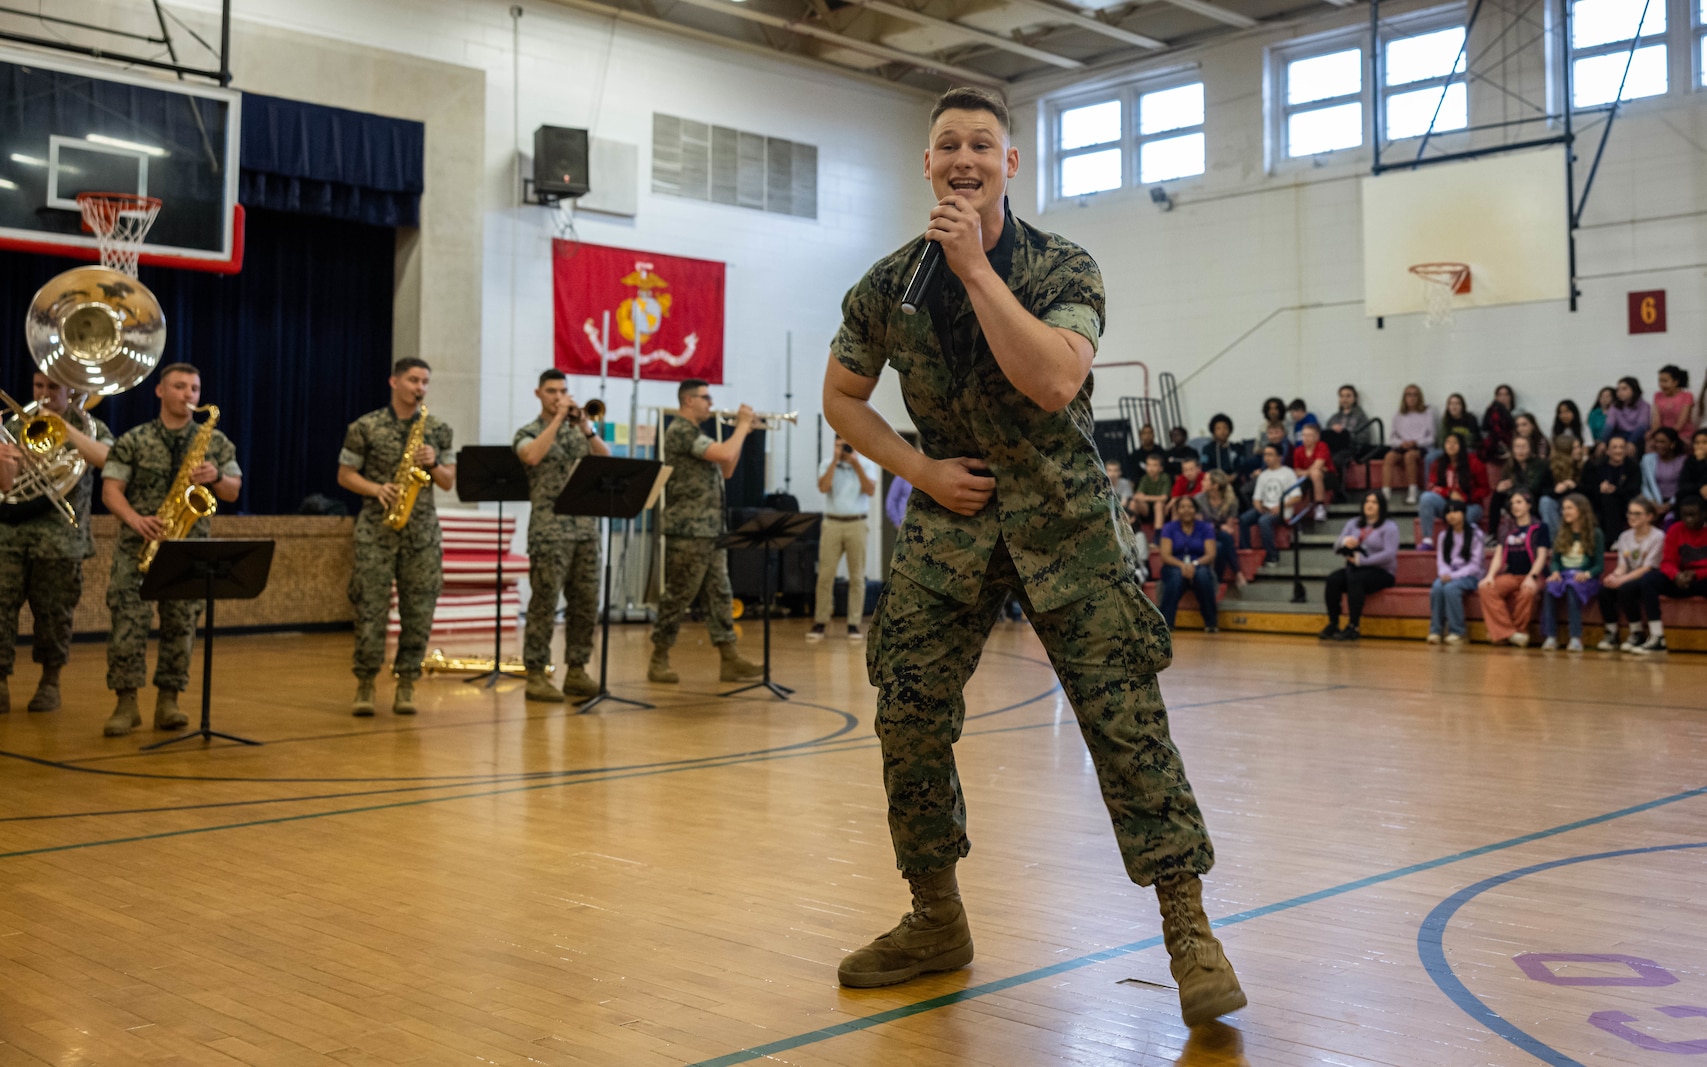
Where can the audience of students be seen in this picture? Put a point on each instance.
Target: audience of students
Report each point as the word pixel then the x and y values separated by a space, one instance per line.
pixel 1683 565
pixel 1188 549
pixel 1625 591
pixel 1410 442
pixel 1370 545
pixel 1456 475
pixel 1513 581
pixel 1574 568
pixel 1458 566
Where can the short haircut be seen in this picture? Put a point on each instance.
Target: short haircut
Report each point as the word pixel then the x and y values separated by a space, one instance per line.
pixel 1271 448
pixel 1154 457
pixel 1691 503
pixel 552 375
pixel 178 368
pixel 966 98
pixel 689 385
pixel 1647 505
pixel 407 364
pixel 1298 405
pixel 1191 459
pixel 1220 418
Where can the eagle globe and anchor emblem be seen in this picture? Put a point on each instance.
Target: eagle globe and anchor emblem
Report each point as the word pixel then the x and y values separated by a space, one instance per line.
pixel 640 317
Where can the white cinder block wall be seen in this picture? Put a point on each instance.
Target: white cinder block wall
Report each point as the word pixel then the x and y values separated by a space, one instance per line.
pixel 1243 243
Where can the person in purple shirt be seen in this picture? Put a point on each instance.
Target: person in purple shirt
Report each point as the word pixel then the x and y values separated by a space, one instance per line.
pixel 1630 415
pixel 1370 545
pixel 1188 548
pixel 1459 561
pixel 1412 438
pixel 895 501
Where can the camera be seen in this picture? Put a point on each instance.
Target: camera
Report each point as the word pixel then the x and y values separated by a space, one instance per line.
pixel 847 449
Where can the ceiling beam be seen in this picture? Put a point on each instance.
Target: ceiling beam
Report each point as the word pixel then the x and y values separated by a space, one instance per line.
pixel 994 40
pixel 1085 22
pixel 1221 14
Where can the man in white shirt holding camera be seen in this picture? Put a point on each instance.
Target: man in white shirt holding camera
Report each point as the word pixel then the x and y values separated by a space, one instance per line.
pixel 848 482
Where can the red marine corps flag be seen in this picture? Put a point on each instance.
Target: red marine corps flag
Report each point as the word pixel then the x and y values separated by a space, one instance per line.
pixel 669 307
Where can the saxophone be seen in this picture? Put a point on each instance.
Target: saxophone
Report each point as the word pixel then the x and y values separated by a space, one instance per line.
pixel 409 478
pixel 186 503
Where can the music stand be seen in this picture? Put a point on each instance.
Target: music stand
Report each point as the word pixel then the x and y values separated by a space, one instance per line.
pixel 224 570
pixel 492 473
pixel 769 530
pixel 610 487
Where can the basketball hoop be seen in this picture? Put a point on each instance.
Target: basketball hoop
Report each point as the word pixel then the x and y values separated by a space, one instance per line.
pixel 1441 282
pixel 119 222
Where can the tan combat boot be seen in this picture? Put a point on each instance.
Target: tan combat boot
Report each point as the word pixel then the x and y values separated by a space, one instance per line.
pixel 1208 988
pixel 659 669
pixel 540 688
pixel 578 683
pixel 47 691
pixel 933 936
pixel 126 717
pixel 362 706
pixel 403 702
pixel 166 713
pixel 736 669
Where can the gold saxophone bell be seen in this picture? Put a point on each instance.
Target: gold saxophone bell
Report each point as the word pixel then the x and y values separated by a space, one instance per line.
pixel 762 420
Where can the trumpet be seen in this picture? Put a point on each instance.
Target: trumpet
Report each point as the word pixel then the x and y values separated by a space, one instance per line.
pixel 594 411
pixel 762 420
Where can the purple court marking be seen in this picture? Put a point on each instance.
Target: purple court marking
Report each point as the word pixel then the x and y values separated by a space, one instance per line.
pixel 1648 973
pixel 1617 1023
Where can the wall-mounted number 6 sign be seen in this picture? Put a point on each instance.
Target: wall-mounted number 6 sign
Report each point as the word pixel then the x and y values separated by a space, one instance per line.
pixel 1648 311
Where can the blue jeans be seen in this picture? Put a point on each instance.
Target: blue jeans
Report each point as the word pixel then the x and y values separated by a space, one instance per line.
pixel 1226 555
pixel 1562 586
pixel 1266 524
pixel 1552 514
pixel 1173 587
pixel 1446 605
pixel 1431 508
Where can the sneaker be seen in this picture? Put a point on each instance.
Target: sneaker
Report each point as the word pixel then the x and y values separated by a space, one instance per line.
pixel 1520 640
pixel 854 634
pixel 1271 561
pixel 1609 643
pixel 1212 629
pixel 1411 495
pixel 1321 513
pixel 1650 646
pixel 1387 494
pixel 816 633
pixel 1576 645
pixel 1632 642
pixel 1350 633
pixel 1549 645
pixel 1433 638
pixel 1426 545
pixel 1454 639
pixel 1330 632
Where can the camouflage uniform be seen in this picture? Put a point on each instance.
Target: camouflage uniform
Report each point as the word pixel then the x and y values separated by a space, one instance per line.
pixel 41 560
pixel 694 567
pixel 1052 536
pixel 563 552
pixel 146 460
pixel 413 557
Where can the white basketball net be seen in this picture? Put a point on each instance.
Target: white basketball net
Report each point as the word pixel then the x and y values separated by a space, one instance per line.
pixel 119 222
pixel 1440 282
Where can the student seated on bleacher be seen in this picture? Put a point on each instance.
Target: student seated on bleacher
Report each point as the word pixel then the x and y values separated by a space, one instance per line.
pixel 1273 500
pixel 1218 505
pixel 1611 483
pixel 1412 439
pixel 1456 475
pixel 1639 550
pixel 1150 496
pixel 1188 558
pixel 1458 564
pixel 1189 482
pixel 1513 582
pixel 1523 471
pixel 1692 480
pixel 1574 568
pixel 1122 487
pixel 1370 545
pixel 1312 460
pixel 1683 565
pixel 1180 450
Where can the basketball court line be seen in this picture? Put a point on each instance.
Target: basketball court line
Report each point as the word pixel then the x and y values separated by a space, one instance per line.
pixel 906 1011
pixel 1431 948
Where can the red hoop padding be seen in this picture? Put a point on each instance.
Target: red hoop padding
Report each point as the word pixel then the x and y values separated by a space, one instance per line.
pixel 1455 276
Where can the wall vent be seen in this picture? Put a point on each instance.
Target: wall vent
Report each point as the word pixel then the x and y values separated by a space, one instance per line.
pixel 725 166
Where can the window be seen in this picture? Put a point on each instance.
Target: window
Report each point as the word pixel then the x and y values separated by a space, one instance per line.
pixel 1139 135
pixel 1417 71
pixel 1323 102
pixel 1617 43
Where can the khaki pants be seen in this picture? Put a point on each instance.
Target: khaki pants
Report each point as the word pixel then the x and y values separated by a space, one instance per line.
pixel 835 537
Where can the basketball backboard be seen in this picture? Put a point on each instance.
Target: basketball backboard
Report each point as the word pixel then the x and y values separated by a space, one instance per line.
pixel 71 127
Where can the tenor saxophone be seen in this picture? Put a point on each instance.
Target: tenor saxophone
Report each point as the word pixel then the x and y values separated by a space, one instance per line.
pixel 186 503
pixel 410 478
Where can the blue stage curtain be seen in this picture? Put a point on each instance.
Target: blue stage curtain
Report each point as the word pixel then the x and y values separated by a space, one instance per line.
pixel 315 160
pixel 292 349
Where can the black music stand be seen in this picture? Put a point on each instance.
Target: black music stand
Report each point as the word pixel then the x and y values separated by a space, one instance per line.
pixel 612 488
pixel 769 530
pixel 223 570
pixel 492 473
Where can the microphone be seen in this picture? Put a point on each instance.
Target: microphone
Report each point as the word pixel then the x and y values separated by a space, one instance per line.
pixel 924 272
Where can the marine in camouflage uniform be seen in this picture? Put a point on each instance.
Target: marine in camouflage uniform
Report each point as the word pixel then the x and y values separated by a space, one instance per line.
pixel 145 462
pixel 412 557
pixel 1050 534
pixel 41 561
pixel 563 551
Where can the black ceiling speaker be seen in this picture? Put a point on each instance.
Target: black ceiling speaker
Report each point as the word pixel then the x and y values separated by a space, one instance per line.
pixel 559 162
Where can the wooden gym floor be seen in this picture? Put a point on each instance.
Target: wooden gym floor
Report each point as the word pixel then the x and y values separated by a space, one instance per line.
pixel 1427 857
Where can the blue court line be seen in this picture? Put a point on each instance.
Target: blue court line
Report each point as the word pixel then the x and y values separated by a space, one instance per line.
pixel 1000 985
pixel 1432 949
